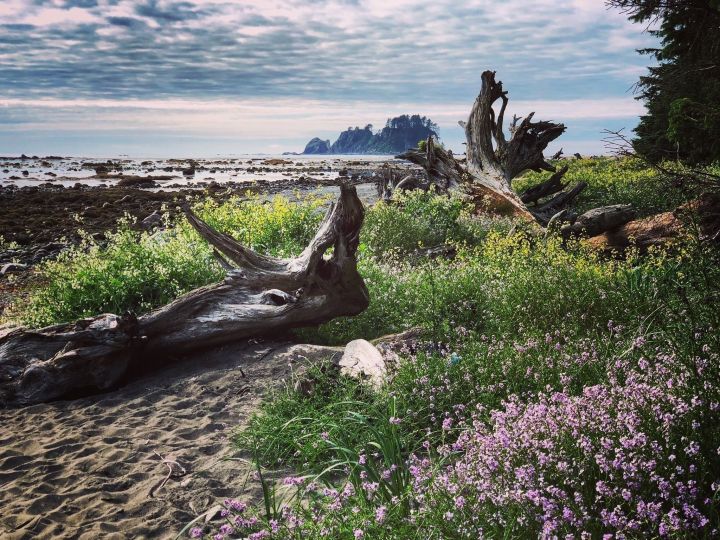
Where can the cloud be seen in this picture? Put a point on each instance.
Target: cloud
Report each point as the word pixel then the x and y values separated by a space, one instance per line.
pixel 566 55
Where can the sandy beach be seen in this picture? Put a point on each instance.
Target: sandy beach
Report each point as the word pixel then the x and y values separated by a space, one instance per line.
pixel 94 467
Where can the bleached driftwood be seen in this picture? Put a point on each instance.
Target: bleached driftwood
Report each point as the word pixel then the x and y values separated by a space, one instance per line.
pixel 260 295
pixel 494 161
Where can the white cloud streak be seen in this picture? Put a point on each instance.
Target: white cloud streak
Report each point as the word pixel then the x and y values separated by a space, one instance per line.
pixel 306 67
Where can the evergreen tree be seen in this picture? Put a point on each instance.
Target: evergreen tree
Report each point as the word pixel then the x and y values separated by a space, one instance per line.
pixel 682 93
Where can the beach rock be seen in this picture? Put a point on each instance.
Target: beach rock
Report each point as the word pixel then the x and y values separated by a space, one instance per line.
pixel 152 221
pixel 362 360
pixel 137 181
pixel 276 162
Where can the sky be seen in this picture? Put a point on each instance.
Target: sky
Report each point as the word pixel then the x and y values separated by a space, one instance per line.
pixel 200 78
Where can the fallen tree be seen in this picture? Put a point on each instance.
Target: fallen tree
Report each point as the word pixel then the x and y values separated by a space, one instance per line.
pixel 701 215
pixel 260 295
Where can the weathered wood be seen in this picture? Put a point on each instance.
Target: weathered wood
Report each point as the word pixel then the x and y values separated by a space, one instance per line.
pixel 442 170
pixel 559 202
pixel 494 161
pixel 550 186
pixel 599 220
pixel 389 180
pixel 702 214
pixel 263 295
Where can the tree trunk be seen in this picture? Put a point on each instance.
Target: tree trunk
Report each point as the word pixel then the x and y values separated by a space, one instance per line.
pixel 262 295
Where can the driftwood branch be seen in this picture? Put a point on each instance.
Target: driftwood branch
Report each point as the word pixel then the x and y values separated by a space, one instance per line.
pixel 551 186
pixel 260 295
pixel 701 214
pixel 442 170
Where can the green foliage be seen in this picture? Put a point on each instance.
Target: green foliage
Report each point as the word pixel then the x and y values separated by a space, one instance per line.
pixel 134 272
pixel 292 422
pixel 417 219
pixel 137 272
pixel 276 227
pixel 616 181
pixel 682 92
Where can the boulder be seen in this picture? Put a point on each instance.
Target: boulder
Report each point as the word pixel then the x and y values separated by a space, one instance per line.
pixel 152 221
pixel 362 360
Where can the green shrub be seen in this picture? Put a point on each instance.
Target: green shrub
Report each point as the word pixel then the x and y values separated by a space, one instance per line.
pixel 415 219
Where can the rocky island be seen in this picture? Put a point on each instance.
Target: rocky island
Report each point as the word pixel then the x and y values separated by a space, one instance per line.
pixel 399 134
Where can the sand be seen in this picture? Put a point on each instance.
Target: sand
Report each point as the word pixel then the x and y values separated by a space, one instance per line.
pixel 92 468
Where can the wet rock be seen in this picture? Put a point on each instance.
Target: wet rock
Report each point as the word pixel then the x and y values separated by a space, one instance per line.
pixel 137 181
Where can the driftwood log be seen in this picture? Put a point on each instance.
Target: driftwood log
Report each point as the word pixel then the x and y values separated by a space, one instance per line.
pixel 701 215
pixel 260 295
pixel 495 160
pixel 442 170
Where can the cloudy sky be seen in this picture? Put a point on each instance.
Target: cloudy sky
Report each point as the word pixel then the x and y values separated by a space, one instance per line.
pixel 207 77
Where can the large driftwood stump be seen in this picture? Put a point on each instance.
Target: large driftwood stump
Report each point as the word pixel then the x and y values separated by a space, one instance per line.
pixel 261 295
pixel 494 161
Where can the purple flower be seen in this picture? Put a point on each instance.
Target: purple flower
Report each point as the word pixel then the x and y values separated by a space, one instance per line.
pixel 380 513
pixel 293 481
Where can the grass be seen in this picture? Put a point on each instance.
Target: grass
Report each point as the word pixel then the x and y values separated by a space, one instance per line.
pixel 542 363
pixel 617 181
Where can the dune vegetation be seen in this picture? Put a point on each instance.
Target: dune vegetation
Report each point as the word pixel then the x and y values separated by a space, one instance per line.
pixel 555 391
